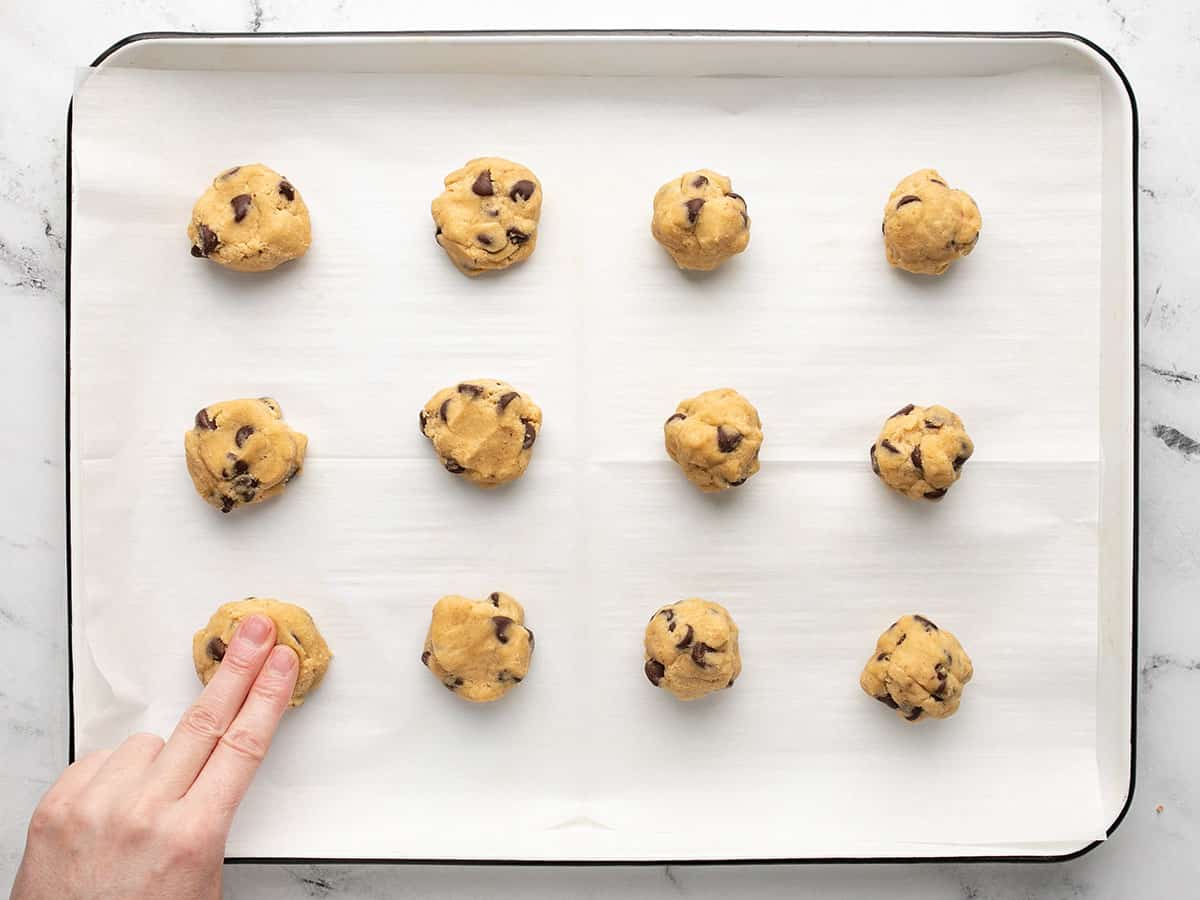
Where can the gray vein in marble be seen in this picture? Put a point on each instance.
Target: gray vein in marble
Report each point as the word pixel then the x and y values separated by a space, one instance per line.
pixel 1177 440
pixel 256 15
pixel 25 264
pixel 1172 375
pixel 1152 305
pixel 1160 662
pixel 673 880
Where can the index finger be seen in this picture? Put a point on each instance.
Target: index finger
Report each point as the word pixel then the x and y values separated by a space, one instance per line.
pixel 205 722
pixel 228 773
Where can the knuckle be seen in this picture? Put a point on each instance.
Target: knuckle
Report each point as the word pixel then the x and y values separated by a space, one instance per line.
pixel 245 743
pixel 85 818
pixel 202 722
pixel 147 740
pixel 190 844
pixel 49 818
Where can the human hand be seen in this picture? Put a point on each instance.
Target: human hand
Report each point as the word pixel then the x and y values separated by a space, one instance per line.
pixel 148 821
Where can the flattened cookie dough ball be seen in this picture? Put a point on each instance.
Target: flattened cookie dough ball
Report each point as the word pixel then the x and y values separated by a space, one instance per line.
pixel 488 215
pixel 715 439
pixel 692 649
pixel 241 451
pixel 700 220
pixel 927 225
pixel 483 430
pixel 251 219
pixel 294 628
pixel 479 649
pixel 920 451
pixel 917 669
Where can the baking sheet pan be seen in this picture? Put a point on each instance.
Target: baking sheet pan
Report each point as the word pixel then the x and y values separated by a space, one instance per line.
pixel 585 762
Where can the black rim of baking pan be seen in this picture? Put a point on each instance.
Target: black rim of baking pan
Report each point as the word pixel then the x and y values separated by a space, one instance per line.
pixel 748 861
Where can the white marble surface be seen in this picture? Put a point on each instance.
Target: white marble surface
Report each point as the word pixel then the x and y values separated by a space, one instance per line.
pixel 1154 854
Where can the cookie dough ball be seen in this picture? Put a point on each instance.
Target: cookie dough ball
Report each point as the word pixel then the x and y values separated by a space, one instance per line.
pixel 928 225
pixel 700 220
pixel 294 628
pixel 480 649
pixel 251 219
pixel 917 669
pixel 482 430
pixel 488 215
pixel 715 439
pixel 692 649
pixel 920 451
pixel 241 451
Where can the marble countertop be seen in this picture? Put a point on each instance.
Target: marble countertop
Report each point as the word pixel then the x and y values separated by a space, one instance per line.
pixel 1153 854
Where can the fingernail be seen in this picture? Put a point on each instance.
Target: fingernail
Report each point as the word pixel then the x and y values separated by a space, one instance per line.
pixel 255 629
pixel 283 660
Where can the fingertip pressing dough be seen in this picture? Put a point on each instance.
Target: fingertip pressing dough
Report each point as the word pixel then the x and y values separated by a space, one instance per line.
pixel 920 451
pixel 487 217
pixel 482 430
pixel 715 438
pixel 700 220
pixel 692 649
pixel 917 669
pixel 927 225
pixel 251 219
pixel 479 649
pixel 241 452
pixel 294 628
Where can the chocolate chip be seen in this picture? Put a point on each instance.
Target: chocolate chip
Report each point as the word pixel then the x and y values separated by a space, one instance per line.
pixel 227 503
pixel 949 658
pixel 686 641
pixel 940 672
pixel 693 209
pixel 883 227
pixel 887 700
pixel 671 418
pixel 483 184
pixel 501 624
pixel 530 436
pixel 485 239
pixel 240 467
pixel 915 714
pixel 422 418
pixel 231 172
pixel 932 425
pixel 473 389
pixel 655 671
pixel 495 598
pixel 443 408
pixel 505 399
pixel 915 456
pixel 245 486
pixel 671 626
pixel 903 411
pixel 929 626
pixel 698 651
pixel 523 189
pixel 290 475
pixel 738 197
pixel 737 483
pixel 241 206
pixel 285 188
pixel 730 684
pixel 888 445
pixel 197 252
pixel 437 234
pixel 203 421
pixel 216 649
pixel 883 657
pixel 425 658
pixel 529 632
pixel 874 461
pixel 242 434
pixel 907 198
pixel 959 460
pixel 903 638
pixel 208 241
pixel 745 221
pixel 936 181
pixel 517 236
pixel 453 467
pixel 728 439
pixel 668 614
pixel 936 494
pixel 699 181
